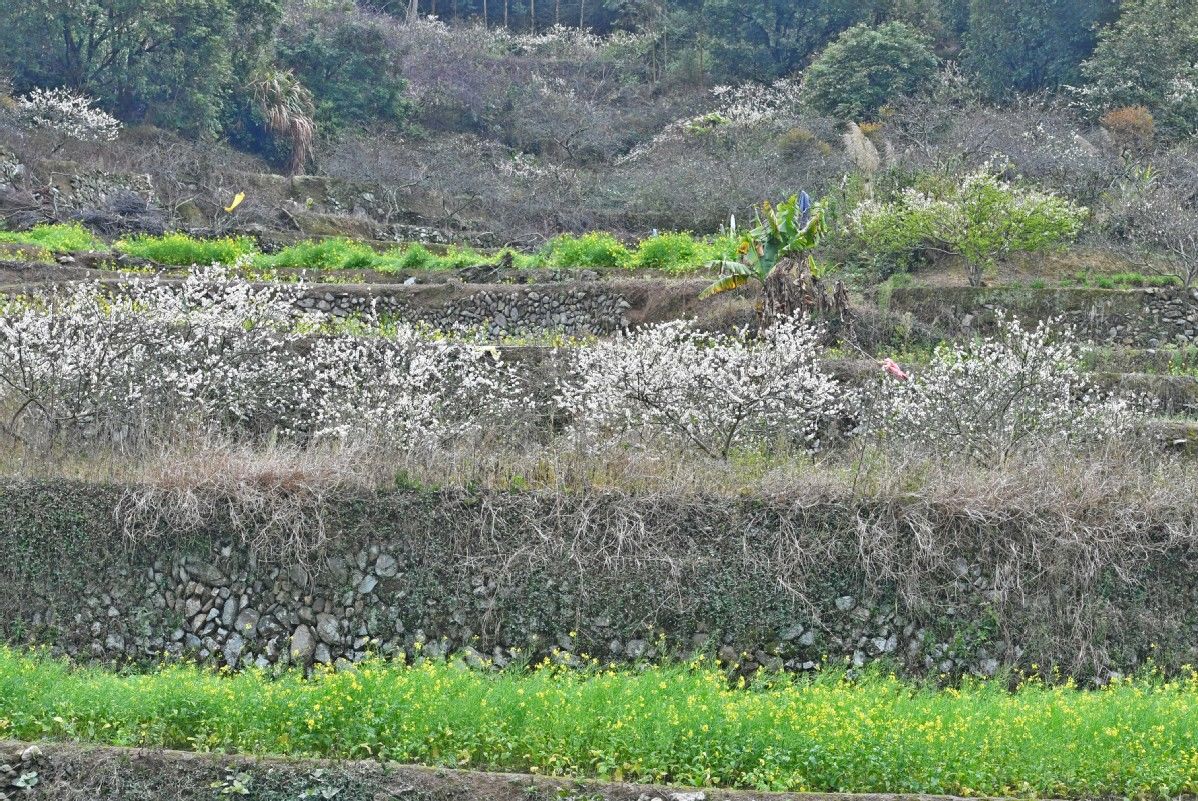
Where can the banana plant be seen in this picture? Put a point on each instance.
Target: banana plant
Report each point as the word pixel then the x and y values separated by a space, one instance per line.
pixel 780 232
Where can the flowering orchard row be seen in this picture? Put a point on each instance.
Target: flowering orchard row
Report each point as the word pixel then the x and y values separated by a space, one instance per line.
pixel 146 357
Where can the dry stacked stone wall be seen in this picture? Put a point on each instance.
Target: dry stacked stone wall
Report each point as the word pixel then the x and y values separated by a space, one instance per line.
pixel 1143 318
pixel 500 576
pixel 573 309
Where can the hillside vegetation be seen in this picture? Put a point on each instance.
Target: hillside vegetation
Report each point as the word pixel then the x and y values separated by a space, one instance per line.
pixel 793 396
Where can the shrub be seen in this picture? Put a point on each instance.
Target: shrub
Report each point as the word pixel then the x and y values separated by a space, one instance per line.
pixel 982 219
pixel 865 67
pixel 412 257
pixel 799 141
pixel 889 237
pixel 418 257
pixel 58 238
pixel 672 252
pixel 589 250
pixel 182 250
pixel 1130 125
pixel 457 257
pixel 993 397
pixel 707 391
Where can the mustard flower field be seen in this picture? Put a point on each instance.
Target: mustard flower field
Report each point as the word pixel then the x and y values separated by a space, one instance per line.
pixel 687 724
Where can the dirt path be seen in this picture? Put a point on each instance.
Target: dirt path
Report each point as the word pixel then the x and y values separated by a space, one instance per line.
pixel 71 772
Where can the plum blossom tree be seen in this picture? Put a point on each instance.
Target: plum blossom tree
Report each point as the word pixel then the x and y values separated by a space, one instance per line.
pixel 711 392
pixel 92 363
pixel 993 397
pixel 69 114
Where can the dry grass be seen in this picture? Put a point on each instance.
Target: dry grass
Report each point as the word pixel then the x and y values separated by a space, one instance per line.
pixel 1067 542
pixel 1052 531
pixel 273 499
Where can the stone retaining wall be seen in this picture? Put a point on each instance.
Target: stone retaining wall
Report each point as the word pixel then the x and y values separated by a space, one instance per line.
pixel 498 576
pixel 1146 318
pixel 577 309
pixel 1143 318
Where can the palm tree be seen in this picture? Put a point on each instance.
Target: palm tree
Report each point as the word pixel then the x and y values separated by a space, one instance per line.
pixel 289 109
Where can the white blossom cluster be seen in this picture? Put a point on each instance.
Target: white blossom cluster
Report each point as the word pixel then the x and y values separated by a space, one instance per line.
pixel 1178 100
pixel 88 362
pixel 68 113
pixel 993 397
pixel 562 41
pixel 557 40
pixel 1183 88
pixel 522 165
pixel 754 103
pixel 747 106
pixel 710 391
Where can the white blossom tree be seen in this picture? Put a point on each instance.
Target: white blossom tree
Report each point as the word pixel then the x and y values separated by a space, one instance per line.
pixel 69 114
pixel 993 397
pixel 712 392
pixel 90 362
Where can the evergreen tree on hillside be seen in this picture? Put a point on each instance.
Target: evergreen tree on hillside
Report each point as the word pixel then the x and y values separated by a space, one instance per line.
pixel 776 38
pixel 1027 45
pixel 865 67
pixel 1149 58
pixel 168 62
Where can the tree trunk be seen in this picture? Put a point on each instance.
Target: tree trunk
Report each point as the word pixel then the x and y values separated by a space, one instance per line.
pixel 783 292
pixel 976 273
pixel 582 13
pixel 791 291
pixel 557 12
pixel 485 24
pixel 532 15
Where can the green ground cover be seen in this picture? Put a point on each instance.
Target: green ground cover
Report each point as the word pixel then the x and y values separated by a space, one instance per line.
pixel 181 250
pixel 59 238
pixel 681 724
pixel 675 253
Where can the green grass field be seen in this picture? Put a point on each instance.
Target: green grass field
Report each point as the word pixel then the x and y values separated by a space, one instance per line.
pixel 684 725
